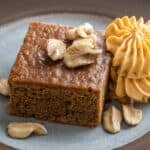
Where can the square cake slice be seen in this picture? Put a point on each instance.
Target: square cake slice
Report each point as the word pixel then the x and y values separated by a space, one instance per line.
pixel 48 90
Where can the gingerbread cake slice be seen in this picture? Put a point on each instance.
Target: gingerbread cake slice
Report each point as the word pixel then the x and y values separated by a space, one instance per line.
pixel 48 90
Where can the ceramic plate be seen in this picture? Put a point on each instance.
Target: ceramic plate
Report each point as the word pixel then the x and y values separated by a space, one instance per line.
pixel 61 136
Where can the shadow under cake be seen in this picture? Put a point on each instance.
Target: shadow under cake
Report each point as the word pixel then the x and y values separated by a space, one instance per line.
pixel 48 90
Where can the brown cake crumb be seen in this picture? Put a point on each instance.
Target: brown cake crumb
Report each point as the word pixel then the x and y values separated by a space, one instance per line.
pixel 45 89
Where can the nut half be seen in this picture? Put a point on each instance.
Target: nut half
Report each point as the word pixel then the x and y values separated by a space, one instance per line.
pixel 83 31
pixel 23 130
pixel 80 53
pixel 132 116
pixel 55 49
pixel 4 87
pixel 112 119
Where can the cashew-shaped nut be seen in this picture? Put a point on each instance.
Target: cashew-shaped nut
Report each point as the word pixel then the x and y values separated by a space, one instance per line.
pixel 112 119
pixel 80 53
pixel 55 49
pixel 132 116
pixel 24 129
pixel 4 87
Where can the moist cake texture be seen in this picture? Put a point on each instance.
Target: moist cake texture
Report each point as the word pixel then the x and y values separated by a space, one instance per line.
pixel 48 90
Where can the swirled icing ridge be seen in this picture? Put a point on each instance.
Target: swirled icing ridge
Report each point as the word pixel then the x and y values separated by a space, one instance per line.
pixel 128 40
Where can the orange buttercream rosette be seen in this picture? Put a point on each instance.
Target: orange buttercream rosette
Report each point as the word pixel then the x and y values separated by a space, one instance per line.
pixel 128 40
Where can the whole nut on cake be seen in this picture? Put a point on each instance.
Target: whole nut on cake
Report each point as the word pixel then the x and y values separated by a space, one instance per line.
pixel 131 115
pixel 23 130
pixel 112 119
pixel 55 49
pixel 85 30
pixel 4 87
pixel 82 31
pixel 80 53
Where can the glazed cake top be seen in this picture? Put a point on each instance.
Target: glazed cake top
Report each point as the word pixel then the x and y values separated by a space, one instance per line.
pixel 34 67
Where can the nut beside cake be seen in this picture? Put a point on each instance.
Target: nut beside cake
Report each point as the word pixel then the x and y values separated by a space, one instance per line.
pixel 49 90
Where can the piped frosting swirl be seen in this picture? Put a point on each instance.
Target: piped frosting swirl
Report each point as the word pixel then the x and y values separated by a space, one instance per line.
pixel 128 40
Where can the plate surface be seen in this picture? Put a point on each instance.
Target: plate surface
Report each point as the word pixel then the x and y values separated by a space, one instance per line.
pixel 61 136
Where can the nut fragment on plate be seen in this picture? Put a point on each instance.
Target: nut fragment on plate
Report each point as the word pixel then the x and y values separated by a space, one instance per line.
pixel 131 115
pixel 81 52
pixel 112 119
pixel 55 49
pixel 24 129
pixel 82 31
pixel 4 87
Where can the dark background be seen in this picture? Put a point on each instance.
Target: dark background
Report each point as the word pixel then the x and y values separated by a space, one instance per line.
pixel 11 9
